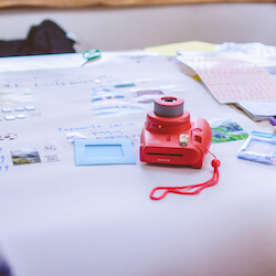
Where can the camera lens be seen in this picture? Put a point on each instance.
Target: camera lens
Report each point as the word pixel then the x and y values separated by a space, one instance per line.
pixel 168 106
pixel 169 100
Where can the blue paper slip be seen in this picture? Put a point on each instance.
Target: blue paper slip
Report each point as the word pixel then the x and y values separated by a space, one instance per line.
pixel 103 152
pixel 123 84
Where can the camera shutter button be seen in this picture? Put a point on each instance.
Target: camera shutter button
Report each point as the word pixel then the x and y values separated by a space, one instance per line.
pixel 183 140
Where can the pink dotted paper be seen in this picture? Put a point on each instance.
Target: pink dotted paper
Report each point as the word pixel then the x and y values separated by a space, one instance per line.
pixel 231 80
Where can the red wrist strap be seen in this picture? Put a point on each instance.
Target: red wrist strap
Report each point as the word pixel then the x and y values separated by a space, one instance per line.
pixel 186 190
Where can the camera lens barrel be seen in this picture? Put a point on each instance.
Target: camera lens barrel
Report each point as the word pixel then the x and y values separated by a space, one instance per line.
pixel 168 106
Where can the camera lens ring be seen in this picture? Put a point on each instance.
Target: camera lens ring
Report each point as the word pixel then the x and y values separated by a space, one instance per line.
pixel 168 106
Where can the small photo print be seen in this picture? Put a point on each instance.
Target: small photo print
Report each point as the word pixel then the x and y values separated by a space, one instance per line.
pixel 225 130
pixel 26 156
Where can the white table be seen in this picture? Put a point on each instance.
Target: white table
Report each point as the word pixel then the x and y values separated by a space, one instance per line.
pixel 59 219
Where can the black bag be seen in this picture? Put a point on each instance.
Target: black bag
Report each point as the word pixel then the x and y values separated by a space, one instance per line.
pixel 47 38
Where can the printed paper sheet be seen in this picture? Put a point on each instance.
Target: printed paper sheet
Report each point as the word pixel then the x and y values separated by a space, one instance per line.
pixel 231 80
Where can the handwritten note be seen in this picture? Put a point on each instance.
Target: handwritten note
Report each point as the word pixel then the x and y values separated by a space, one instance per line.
pixel 3 166
pixel 127 130
pixel 231 80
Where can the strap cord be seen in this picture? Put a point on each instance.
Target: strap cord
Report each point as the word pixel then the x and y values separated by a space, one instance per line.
pixel 190 189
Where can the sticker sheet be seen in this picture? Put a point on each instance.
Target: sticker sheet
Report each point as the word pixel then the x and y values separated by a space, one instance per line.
pixel 232 80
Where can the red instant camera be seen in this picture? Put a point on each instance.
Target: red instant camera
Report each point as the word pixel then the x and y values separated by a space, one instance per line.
pixel 170 137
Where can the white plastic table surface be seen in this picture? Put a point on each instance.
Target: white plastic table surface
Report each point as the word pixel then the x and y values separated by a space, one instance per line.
pixel 58 219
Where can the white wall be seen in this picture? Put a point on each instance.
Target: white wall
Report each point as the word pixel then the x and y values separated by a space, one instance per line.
pixel 129 28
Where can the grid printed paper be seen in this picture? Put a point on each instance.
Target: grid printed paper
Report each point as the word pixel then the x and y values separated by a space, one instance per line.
pixel 231 80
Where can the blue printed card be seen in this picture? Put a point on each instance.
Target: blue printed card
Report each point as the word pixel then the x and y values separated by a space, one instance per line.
pixel 103 152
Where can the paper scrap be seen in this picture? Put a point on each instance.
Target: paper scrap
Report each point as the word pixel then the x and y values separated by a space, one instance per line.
pixel 172 49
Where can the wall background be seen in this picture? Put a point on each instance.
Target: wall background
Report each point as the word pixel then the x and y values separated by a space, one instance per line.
pixel 138 27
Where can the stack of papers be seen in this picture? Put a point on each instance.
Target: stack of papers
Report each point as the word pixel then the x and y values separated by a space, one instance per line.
pixel 238 73
pixel 258 111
